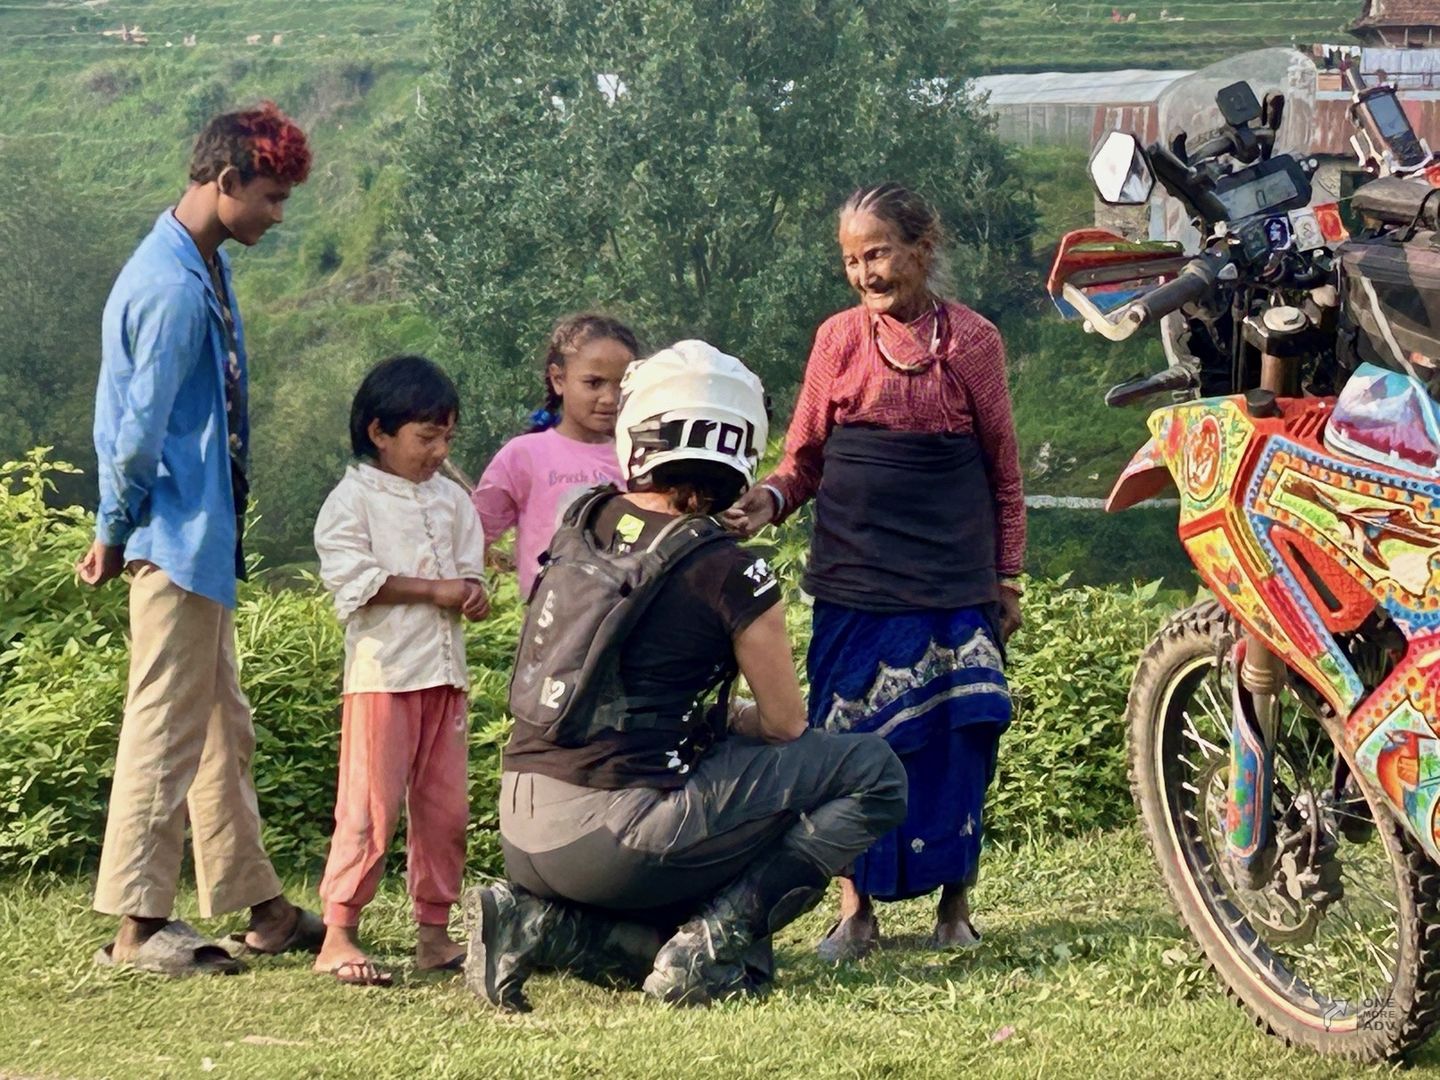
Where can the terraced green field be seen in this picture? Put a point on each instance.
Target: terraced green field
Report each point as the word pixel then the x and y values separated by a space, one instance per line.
pixel 1037 35
pixel 1015 35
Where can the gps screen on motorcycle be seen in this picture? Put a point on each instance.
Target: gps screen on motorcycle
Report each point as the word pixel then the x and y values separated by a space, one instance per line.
pixel 1384 120
pixel 1272 187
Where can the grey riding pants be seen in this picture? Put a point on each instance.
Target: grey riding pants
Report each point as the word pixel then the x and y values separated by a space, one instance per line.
pixel 827 797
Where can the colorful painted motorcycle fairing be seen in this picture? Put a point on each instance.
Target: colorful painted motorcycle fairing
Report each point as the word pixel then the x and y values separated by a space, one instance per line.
pixel 1300 542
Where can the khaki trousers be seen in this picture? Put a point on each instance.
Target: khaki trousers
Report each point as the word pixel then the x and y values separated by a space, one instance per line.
pixel 185 744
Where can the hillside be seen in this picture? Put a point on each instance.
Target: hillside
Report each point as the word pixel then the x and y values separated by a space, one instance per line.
pixel 1066 35
pixel 104 129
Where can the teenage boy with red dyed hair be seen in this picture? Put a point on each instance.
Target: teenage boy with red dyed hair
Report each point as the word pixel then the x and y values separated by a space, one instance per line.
pixel 172 434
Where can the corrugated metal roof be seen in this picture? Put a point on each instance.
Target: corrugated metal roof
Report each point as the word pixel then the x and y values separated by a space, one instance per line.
pixel 1399 13
pixel 1077 88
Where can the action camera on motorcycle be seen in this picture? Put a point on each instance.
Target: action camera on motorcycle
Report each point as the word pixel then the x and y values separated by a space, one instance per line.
pixel 1238 104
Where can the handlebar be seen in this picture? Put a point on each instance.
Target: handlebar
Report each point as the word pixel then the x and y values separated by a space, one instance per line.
pixel 1195 282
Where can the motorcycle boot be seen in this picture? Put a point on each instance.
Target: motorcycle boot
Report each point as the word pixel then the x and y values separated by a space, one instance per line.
pixel 707 957
pixel 513 933
pixel 751 976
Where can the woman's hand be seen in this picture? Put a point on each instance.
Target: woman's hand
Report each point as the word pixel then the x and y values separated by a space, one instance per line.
pixel 1010 619
pixel 755 510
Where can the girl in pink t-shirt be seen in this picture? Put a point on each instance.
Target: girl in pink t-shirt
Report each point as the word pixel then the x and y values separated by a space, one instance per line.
pixel 533 478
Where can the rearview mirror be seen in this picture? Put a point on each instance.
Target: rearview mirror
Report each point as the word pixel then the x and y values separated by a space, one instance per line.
pixel 1119 170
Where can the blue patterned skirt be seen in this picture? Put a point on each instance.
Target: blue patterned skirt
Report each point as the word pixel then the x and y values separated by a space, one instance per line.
pixel 932 683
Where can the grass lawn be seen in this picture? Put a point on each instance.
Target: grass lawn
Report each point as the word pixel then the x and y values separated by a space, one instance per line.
pixel 1083 972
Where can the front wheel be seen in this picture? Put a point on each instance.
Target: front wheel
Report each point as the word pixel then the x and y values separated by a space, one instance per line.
pixel 1339 952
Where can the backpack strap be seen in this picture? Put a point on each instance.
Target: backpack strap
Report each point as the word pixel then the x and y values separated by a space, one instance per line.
pixel 584 506
pixel 684 535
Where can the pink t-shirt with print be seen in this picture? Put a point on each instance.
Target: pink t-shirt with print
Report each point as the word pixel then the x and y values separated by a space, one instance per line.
pixel 529 484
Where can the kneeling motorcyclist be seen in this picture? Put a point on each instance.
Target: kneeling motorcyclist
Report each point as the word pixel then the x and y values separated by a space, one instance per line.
pixel 627 807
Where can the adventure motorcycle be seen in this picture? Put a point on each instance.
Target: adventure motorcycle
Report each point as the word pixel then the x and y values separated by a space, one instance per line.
pixel 1285 737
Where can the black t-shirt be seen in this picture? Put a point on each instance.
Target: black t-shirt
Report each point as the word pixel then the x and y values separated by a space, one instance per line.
pixel 684 642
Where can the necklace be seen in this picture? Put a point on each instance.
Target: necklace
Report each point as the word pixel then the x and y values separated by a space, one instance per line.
pixel 920 365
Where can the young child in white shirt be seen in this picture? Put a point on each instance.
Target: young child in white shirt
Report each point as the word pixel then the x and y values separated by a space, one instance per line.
pixel 402 551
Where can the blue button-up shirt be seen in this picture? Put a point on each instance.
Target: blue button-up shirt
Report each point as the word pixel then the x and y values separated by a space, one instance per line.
pixel 160 428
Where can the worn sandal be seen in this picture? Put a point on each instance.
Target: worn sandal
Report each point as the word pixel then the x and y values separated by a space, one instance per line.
pixel 968 938
pixel 835 950
pixel 361 973
pixel 175 950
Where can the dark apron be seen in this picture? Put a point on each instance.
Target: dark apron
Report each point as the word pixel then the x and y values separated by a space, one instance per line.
pixel 903 520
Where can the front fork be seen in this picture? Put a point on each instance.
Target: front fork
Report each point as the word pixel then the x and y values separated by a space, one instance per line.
pixel 1259 674
pixel 1249 825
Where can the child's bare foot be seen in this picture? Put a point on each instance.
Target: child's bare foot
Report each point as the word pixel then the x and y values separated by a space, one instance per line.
pixel 435 950
pixel 342 957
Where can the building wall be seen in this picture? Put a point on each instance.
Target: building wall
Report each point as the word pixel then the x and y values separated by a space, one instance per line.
pixel 1399 37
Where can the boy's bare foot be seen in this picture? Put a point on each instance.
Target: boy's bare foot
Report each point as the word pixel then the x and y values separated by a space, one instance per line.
pixel 131 934
pixel 342 957
pixel 271 925
pixel 435 950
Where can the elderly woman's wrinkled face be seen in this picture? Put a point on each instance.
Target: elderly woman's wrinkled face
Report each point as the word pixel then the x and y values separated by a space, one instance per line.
pixel 888 273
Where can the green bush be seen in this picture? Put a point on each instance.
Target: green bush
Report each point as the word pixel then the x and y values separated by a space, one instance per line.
pixel 62 676
pixel 63 670
pixel 1062 764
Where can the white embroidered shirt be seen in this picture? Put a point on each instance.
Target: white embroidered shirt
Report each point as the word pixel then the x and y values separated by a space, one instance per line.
pixel 374 526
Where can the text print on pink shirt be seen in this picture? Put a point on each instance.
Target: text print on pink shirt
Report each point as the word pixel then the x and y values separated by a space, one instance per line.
pixel 596 476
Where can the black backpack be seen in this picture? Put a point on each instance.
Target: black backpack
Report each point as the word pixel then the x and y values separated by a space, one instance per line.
pixel 566 685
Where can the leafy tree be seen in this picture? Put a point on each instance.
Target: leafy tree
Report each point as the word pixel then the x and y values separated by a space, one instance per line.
pixel 55 273
pixel 679 162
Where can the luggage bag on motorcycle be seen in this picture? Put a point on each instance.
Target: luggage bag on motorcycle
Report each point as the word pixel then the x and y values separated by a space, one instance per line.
pixel 1390 305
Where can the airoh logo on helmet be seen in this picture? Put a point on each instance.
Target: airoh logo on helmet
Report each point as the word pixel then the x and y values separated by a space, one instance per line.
pixel 694 433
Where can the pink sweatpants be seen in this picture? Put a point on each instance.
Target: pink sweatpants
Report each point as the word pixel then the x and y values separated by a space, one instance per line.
pixel 409 747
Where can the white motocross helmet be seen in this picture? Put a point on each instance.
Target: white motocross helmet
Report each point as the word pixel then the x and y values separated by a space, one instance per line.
pixel 690 402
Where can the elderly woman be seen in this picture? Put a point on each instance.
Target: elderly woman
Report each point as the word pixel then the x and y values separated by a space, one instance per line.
pixel 903 435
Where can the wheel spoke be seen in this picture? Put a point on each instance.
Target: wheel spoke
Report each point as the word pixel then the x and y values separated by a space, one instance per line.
pixel 1216 710
pixel 1211 750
